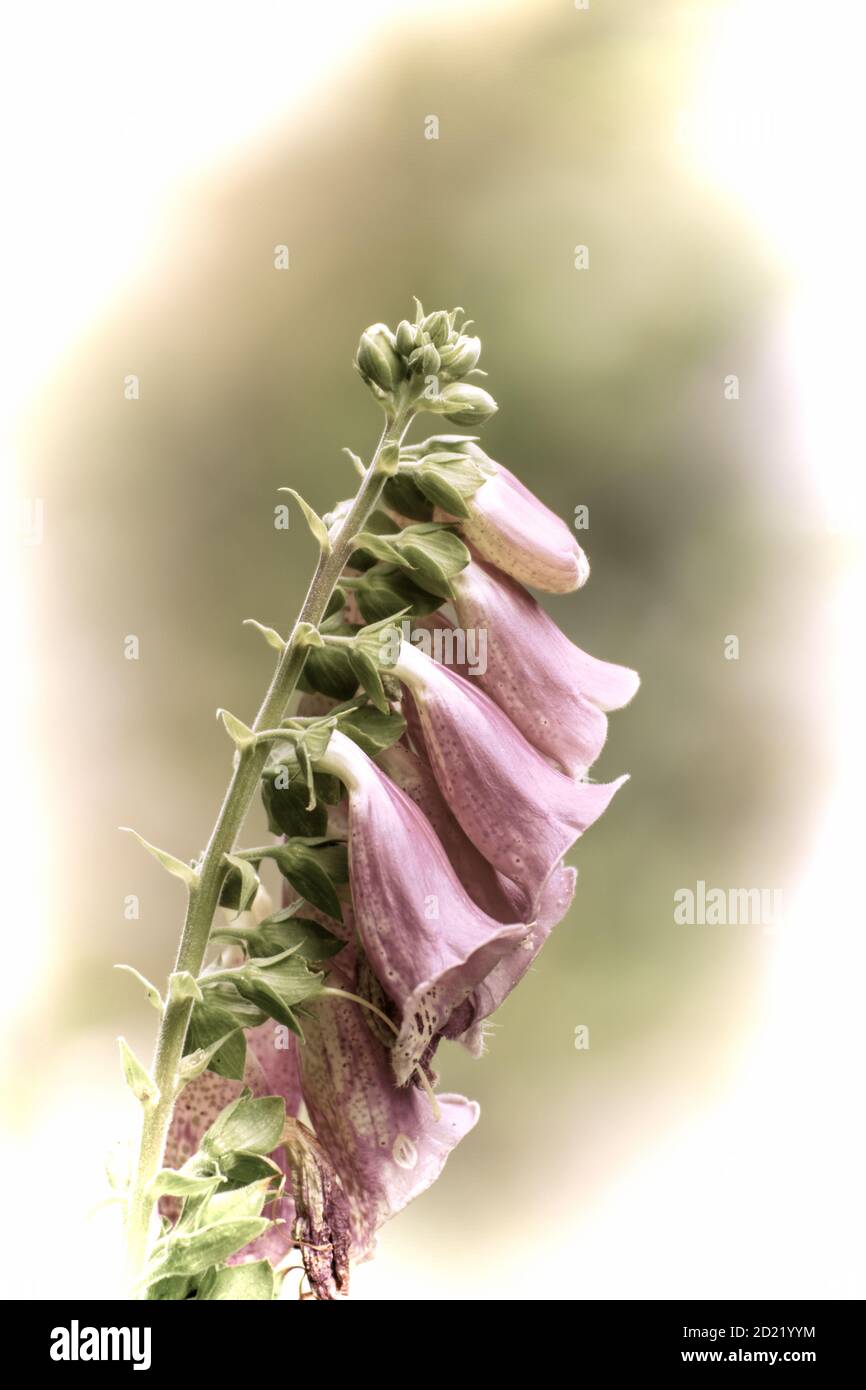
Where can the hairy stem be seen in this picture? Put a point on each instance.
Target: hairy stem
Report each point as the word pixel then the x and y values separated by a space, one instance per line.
pixel 204 897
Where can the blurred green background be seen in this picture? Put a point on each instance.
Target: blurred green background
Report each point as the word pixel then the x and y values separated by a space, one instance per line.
pixel 553 133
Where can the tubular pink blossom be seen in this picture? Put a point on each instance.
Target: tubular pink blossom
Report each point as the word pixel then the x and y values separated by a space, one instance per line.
pixel 551 690
pixel 384 1141
pixel 426 940
pixel 465 1026
pixel 493 894
pixel 521 813
pixel 509 526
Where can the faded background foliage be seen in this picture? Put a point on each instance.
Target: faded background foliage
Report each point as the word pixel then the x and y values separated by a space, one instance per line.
pixel 610 385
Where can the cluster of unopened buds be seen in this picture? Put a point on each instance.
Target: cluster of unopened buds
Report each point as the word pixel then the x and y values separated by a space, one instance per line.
pixel 420 815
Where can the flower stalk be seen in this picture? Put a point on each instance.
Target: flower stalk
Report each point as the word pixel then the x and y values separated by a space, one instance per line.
pixel 204 892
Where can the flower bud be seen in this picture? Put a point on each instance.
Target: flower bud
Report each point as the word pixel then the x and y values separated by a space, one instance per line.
pixel 464 404
pixel 430 360
pixel 378 360
pixel 462 357
pixel 437 327
pixel 405 338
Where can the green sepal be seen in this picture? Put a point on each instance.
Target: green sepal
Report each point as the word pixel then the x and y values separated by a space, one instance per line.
pixel 378 528
pixel 200 1060
pixel 276 985
pixel 173 1182
pixel 368 677
pixel 284 931
pixel 403 495
pixel 173 1289
pixel 327 670
pixel 303 868
pixel 436 554
pixel 372 729
pixel 240 884
pixel 287 807
pixel 238 1203
pixel 336 603
pixel 177 1255
pixel 239 1284
pixel 250 1124
pixel 448 480
pixel 212 1022
pixel 384 591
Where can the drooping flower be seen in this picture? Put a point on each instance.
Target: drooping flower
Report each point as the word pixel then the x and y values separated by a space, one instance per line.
pixel 465 1026
pixel 552 691
pixel 426 940
pixel 509 526
pixel 521 813
pixel 385 1141
pixel 495 894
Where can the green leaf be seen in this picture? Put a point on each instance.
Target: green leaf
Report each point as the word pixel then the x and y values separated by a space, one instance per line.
pixel 137 1077
pixel 168 861
pixel 240 884
pixel 373 730
pixel 250 1124
pixel 177 1255
pixel 212 1023
pixel 300 865
pixel 239 1283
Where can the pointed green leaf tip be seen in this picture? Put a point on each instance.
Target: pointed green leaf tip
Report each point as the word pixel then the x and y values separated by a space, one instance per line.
pixel 239 733
pixel 137 1078
pixel 151 993
pixel 317 526
pixel 271 636
pixel 174 866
